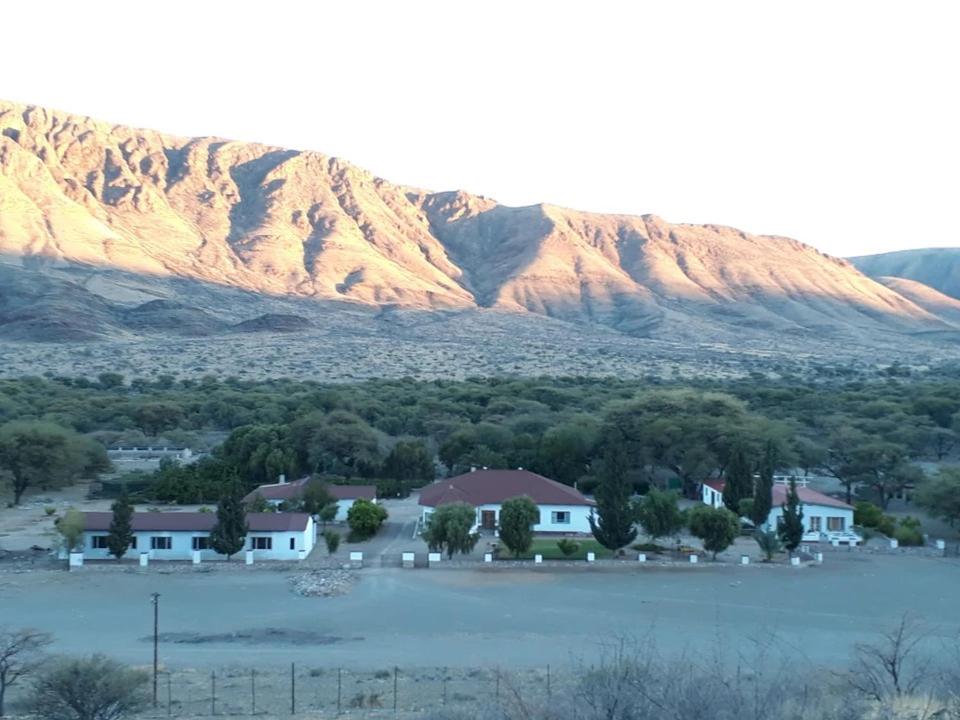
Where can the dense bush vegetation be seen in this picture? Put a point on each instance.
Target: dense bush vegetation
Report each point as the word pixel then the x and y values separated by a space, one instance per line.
pixel 866 432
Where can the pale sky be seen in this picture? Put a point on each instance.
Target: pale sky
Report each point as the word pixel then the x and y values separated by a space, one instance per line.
pixel 837 123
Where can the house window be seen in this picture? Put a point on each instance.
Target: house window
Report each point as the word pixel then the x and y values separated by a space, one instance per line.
pixel 161 543
pixel 99 542
pixel 261 543
pixel 815 524
pixel 560 517
pixel 836 524
pixel 201 543
pixel 133 543
pixel 537 520
pixel 293 543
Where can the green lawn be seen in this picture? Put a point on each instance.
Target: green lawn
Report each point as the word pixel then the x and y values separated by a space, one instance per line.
pixel 548 548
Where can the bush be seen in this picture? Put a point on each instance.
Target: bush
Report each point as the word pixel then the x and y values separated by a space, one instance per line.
pixel 866 514
pixel 332 539
pixel 94 688
pixel 887 525
pixel 909 533
pixel 567 546
pixel 49 510
pixel 364 518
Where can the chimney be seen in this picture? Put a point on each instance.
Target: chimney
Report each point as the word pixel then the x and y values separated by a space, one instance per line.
pixel 283 479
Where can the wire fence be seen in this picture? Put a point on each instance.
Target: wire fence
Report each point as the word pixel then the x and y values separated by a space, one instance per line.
pixel 301 690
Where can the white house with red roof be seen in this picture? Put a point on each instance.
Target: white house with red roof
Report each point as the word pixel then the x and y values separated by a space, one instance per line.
pixel 345 495
pixel 176 535
pixel 563 509
pixel 824 518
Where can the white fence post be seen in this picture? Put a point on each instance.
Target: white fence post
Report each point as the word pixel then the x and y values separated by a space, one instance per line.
pixel 196 557
pixel 434 559
pixel 795 561
pixel 694 559
pixel 642 557
pixel 744 559
pixel 407 559
pixel 248 557
pixel 819 557
pixel 537 559
pixel 76 560
pixel 144 559
pixel 894 543
pixel 356 558
pixel 488 557
pixel 591 557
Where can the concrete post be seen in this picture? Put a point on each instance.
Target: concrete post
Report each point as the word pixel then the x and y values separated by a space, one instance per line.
pixel 356 558
pixel 196 557
pixel 301 555
pixel 744 559
pixel 407 559
pixel 894 543
pixel 434 559
pixel 941 544
pixel 76 560
pixel 642 557
pixel 694 559
pixel 591 557
pixel 488 557
pixel 144 559
pixel 248 557
pixel 819 557
pixel 795 561
pixel 537 559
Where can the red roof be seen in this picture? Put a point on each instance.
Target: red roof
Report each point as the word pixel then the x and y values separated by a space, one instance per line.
pixel 294 489
pixel 197 521
pixel 492 487
pixel 806 495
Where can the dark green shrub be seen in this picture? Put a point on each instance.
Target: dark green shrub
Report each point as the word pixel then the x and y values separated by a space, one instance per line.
pixel 567 546
pixel 909 533
pixel 887 525
pixel 866 514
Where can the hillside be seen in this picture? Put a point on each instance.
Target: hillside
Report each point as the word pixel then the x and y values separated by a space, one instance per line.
pixel 133 210
pixel 938 268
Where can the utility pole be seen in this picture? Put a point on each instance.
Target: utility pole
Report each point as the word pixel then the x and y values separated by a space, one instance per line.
pixel 156 640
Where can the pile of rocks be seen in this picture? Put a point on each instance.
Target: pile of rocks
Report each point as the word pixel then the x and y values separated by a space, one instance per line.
pixel 324 582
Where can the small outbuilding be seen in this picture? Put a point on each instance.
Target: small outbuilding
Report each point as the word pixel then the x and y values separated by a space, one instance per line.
pixel 176 535
pixel 563 509
pixel 345 495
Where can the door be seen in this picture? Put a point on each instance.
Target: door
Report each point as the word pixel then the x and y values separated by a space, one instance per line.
pixel 488 519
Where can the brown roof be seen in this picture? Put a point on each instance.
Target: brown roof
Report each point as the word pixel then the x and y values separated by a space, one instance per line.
pixel 294 489
pixel 198 521
pixel 807 496
pixel 492 487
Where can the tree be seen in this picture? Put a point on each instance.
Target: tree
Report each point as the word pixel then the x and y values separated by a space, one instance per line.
pixel 328 513
pixel 449 529
pixel 230 531
pixel 763 489
pixel 332 540
pixel 94 688
pixel 769 542
pixel 940 496
pixel 71 527
pixel 739 480
pixel 258 504
pixel 120 536
pixel 613 524
pixel 517 517
pixel 365 518
pixel 45 455
pixel 315 497
pixel 883 467
pixel 20 655
pixel 155 417
pixel 717 528
pixel 659 515
pixel 409 462
pixel 791 521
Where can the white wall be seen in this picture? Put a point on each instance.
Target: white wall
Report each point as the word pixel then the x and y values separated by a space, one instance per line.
pixel 711 497
pixel 579 514
pixel 182 545
pixel 814 511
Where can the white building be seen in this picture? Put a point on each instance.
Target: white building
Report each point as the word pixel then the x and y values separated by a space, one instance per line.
pixel 176 535
pixel 346 495
pixel 563 509
pixel 824 518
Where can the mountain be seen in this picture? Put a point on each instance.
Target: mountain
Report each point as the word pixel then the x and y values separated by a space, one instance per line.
pixel 131 211
pixel 933 301
pixel 939 268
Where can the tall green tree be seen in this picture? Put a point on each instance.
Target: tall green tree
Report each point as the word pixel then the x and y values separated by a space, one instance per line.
pixel 940 496
pixel 409 462
pixel 763 489
pixel 120 536
pixel 517 517
pixel 659 514
pixel 230 531
pixel 717 528
pixel 614 522
pixel 46 455
pixel 449 527
pixel 739 480
pixel 791 522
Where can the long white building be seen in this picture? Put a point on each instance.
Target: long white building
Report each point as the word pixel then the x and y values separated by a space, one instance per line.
pixel 177 535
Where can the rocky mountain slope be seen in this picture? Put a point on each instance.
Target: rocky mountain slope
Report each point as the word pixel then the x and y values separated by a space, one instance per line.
pixel 938 268
pixel 132 209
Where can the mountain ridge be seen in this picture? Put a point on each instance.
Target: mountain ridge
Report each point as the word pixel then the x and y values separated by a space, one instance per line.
pixel 76 192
